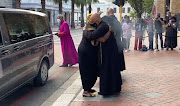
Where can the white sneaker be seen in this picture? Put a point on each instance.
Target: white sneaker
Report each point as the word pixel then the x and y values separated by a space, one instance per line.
pixel 156 50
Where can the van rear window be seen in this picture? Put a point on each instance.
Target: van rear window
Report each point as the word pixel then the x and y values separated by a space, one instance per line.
pixel 25 26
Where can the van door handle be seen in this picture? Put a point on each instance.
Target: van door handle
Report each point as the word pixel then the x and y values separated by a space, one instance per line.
pixel 16 48
pixel 5 52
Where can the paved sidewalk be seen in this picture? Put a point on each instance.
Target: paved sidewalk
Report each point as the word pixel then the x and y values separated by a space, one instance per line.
pixel 151 78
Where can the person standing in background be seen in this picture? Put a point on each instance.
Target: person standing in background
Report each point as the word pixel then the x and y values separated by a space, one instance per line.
pixel 171 34
pixel 159 29
pixel 167 18
pixel 150 31
pixel 70 56
pixel 127 33
pixel 139 28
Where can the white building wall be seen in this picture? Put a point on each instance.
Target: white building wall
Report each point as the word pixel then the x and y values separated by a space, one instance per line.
pixel 104 6
pixel 31 1
pixel 52 7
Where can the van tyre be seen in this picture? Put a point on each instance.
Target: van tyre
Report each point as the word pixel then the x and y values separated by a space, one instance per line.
pixel 42 76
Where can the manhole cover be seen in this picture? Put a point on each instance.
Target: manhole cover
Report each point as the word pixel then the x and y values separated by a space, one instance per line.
pixel 153 95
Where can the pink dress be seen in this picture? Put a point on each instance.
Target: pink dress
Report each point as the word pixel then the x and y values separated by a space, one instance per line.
pixel 69 52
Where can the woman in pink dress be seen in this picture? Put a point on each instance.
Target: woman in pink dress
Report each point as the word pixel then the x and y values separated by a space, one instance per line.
pixel 70 56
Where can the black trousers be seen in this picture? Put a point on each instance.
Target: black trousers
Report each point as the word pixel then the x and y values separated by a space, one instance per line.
pixel 161 39
pixel 151 36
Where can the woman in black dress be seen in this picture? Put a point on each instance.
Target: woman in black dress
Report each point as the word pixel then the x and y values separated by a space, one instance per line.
pixel 171 34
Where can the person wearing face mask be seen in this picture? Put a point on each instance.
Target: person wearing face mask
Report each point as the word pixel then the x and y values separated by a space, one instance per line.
pixel 70 56
pixel 58 21
pixel 110 76
pixel 171 34
pixel 127 33
pixel 158 23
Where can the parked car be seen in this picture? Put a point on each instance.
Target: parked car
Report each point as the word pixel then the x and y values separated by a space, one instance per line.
pixel 26 49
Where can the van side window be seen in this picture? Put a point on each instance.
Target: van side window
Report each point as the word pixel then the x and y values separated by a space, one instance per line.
pixel 20 27
pixel 41 26
pixel 1 43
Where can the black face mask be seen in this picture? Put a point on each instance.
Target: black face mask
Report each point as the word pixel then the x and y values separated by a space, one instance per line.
pixel 94 25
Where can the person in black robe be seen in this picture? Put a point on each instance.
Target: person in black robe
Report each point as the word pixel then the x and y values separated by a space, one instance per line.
pixel 171 34
pixel 110 76
pixel 117 29
pixel 88 61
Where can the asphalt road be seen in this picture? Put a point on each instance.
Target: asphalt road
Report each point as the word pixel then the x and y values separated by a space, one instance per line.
pixel 29 95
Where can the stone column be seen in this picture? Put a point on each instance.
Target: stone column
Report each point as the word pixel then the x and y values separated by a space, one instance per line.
pixel 175 6
pixel 161 7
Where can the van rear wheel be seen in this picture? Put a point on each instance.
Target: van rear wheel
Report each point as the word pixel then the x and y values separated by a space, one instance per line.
pixel 41 78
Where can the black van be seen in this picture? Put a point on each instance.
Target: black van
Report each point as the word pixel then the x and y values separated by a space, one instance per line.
pixel 26 48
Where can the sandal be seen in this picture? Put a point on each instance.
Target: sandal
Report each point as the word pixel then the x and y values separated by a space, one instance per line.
pixel 89 94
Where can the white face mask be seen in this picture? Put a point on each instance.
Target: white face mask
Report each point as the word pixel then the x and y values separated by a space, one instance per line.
pixel 58 20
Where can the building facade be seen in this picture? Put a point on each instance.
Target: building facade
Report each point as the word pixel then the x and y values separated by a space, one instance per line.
pixel 163 6
pixel 104 6
pixel 52 9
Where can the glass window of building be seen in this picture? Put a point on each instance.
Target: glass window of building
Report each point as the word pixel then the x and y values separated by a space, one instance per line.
pixel 114 10
pixel 98 9
pixel 123 10
pixel 129 9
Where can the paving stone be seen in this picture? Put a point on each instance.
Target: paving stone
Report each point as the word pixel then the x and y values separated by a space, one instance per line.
pixel 154 95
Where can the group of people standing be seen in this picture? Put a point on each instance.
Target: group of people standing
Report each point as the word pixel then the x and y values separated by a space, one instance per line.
pixel 155 27
pixel 127 27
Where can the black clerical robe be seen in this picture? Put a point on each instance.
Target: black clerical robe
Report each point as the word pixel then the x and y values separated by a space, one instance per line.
pixel 110 77
pixel 117 29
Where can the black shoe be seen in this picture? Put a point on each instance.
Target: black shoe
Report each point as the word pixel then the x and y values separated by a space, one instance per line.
pixel 66 65
pixel 70 65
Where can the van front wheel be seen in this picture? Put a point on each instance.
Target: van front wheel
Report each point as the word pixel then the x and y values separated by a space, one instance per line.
pixel 42 76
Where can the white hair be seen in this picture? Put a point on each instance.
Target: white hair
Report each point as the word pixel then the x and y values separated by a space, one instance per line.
pixel 61 15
